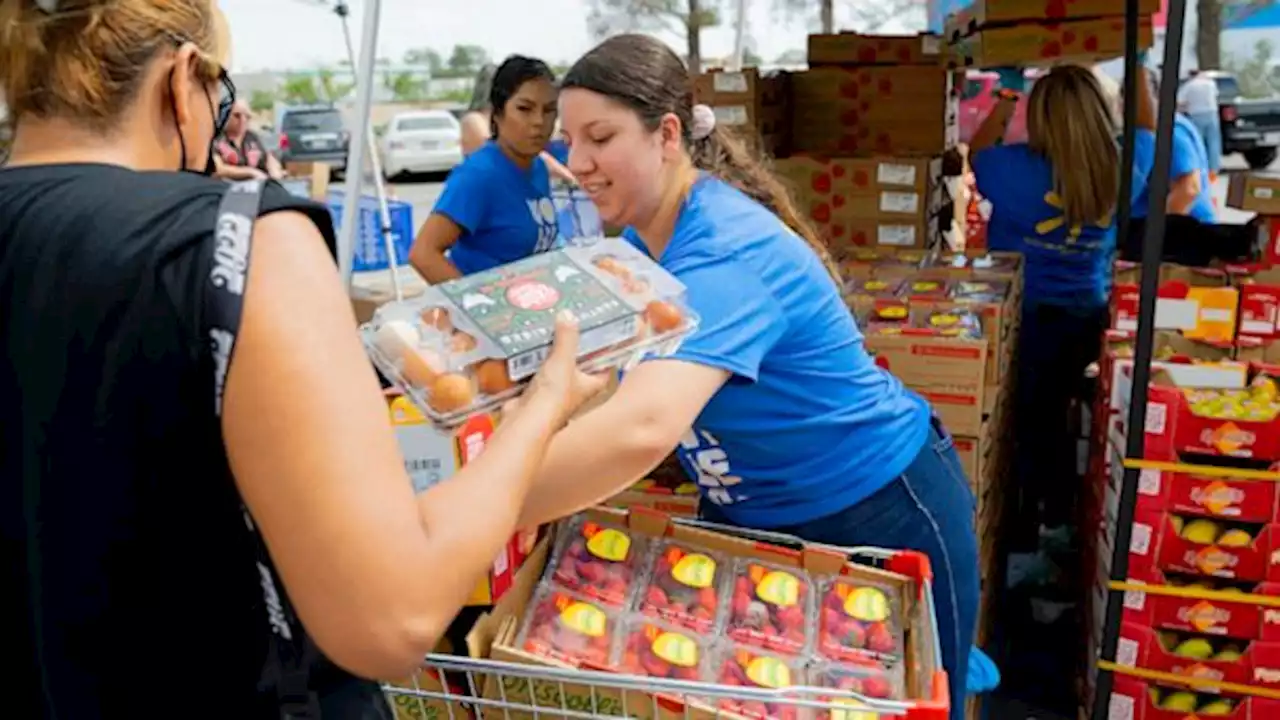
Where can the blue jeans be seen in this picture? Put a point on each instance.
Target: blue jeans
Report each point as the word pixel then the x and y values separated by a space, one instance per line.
pixel 1210 128
pixel 928 508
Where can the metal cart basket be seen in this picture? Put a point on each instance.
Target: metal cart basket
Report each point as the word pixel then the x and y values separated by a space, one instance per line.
pixel 460 688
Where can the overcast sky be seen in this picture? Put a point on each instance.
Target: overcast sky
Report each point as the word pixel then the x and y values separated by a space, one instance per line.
pixel 285 34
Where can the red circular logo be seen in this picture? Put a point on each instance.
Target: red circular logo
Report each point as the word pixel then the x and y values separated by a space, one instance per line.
pixel 533 296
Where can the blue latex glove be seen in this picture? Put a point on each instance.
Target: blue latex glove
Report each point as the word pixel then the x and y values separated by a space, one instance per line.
pixel 1011 78
pixel 983 675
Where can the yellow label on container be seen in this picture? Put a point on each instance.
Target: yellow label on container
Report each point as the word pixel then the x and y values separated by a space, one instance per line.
pixel 896 312
pixel 609 544
pixel 695 570
pixel 779 588
pixel 867 604
pixel 676 649
pixel 583 618
pixel 769 672
pixel 855 710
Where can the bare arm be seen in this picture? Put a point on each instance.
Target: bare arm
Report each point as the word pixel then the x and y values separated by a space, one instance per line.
pixel 475 131
pixel 614 445
pixel 1146 110
pixel 375 574
pixel 235 172
pixel 992 129
pixel 275 170
pixel 427 255
pixel 1183 193
pixel 557 169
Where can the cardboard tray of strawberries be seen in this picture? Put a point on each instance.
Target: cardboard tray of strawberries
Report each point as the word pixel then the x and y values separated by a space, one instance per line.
pixel 642 615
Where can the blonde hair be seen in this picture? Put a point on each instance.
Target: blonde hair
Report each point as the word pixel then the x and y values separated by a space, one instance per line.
pixel 85 60
pixel 1070 123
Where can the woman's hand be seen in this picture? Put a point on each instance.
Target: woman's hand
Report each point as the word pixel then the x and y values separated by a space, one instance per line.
pixel 559 383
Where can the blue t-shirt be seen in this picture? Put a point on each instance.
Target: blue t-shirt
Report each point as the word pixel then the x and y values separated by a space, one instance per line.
pixel 808 424
pixel 1068 266
pixel 559 149
pixel 1189 156
pixel 505 213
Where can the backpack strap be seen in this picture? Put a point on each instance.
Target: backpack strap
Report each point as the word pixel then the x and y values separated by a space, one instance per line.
pixel 291 654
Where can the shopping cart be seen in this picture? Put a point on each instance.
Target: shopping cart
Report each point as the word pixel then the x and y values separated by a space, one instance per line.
pixel 462 688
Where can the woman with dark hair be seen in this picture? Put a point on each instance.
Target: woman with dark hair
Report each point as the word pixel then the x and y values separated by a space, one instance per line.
pixel 496 206
pixel 773 404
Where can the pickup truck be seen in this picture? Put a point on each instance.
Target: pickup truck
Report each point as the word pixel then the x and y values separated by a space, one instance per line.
pixel 1249 127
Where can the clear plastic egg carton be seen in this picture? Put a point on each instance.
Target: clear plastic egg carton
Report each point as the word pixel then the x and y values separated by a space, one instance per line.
pixel 467 346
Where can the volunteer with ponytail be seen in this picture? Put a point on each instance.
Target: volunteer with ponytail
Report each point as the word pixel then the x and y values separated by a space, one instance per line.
pixel 773 404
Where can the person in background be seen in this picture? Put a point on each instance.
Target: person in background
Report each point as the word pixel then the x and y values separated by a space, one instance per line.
pixel 773 404
pixel 1054 199
pixel 1198 98
pixel 238 152
pixel 476 128
pixel 496 206
pixel 198 473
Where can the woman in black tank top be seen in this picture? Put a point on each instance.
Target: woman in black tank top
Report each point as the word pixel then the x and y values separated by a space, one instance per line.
pixel 203 509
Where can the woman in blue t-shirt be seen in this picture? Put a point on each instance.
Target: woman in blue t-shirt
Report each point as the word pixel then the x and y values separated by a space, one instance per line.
pixel 496 206
pixel 1053 199
pixel 773 405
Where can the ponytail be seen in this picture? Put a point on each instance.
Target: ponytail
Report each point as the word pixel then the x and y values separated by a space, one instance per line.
pixel 724 155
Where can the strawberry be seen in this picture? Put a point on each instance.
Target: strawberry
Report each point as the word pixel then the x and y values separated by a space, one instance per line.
pixel 880 639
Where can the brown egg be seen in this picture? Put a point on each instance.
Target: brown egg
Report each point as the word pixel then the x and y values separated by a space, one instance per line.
pixel 421 367
pixel 662 316
pixel 438 318
pixel 635 286
pixel 451 392
pixel 461 342
pixel 493 378
pixel 613 267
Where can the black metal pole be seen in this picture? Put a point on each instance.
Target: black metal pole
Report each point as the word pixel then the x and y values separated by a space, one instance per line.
pixel 1152 250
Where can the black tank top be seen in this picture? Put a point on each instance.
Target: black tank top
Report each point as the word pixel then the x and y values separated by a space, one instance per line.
pixel 130 584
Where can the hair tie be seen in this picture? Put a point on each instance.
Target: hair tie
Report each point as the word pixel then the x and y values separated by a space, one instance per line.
pixel 704 121
pixel 48 6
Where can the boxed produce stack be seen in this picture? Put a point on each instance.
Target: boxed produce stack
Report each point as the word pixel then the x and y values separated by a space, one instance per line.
pixel 638 594
pixel 1203 565
pixel 667 489
pixel 748 102
pixel 1021 33
pixel 870 121
pixel 947 326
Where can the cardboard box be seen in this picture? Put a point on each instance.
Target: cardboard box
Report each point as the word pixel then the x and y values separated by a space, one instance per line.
pixel 857 111
pixel 1257 192
pixel 978 14
pixel 1198 302
pixel 748 103
pixel 1030 44
pixel 432 455
pixel 856 202
pixel 315 178
pixel 851 48
pixel 495 635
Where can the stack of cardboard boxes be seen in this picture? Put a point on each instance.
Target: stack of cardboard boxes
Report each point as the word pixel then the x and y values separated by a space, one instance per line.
pixel 871 120
pixel 1022 33
pixel 751 104
pixel 947 326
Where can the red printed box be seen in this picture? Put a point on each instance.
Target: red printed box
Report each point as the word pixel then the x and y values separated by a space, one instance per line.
pixel 1173 427
pixel 1207 658
pixel 1200 546
pixel 1250 501
pixel 1219 617
pixel 1135 699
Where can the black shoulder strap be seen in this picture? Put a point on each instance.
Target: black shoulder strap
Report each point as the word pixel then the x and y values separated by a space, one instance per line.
pixel 291 654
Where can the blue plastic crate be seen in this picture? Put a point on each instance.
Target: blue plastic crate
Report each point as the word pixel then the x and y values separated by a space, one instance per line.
pixel 370 251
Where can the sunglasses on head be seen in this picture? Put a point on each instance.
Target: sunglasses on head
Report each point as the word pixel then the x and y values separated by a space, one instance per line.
pixel 226 93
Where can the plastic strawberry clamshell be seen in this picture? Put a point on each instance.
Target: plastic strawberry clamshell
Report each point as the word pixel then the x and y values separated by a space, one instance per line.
pixel 570 628
pixel 686 585
pixel 740 665
pixel 859 619
pixel 771 607
pixel 661 649
pixel 599 560
pixel 468 345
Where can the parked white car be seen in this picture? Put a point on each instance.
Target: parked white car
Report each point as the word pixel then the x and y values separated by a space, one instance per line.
pixel 427 141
